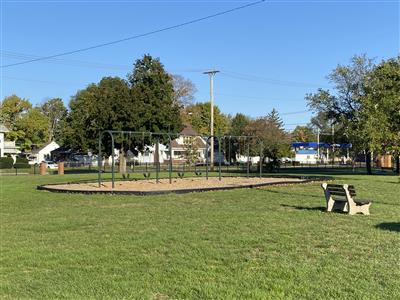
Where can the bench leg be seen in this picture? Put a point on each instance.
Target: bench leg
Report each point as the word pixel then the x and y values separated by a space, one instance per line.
pixel 329 204
pixel 364 209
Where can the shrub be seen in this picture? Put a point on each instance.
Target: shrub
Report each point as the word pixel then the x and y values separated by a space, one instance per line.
pixel 21 163
pixel 6 162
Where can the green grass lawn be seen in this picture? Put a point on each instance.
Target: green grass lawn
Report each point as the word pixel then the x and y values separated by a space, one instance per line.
pixel 271 243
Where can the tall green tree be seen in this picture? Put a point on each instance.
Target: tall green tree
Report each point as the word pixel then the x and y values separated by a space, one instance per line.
pixel 381 108
pixel 269 130
pixel 107 105
pixel 153 90
pixel 345 104
pixel 32 128
pixel 199 115
pixel 12 108
pixel 234 145
pixel 55 111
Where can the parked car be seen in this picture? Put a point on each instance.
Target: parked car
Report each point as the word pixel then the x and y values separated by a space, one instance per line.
pixel 286 160
pixel 51 164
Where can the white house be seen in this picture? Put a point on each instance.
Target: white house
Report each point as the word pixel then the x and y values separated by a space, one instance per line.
pixel 7 147
pixel 306 156
pixel 43 153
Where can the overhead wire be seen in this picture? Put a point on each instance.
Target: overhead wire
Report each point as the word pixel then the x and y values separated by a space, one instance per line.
pixel 136 36
pixel 257 78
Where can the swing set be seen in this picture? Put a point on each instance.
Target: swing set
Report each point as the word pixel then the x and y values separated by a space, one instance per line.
pixel 169 137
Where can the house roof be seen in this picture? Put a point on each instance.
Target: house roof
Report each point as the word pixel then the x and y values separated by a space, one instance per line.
pixel 188 130
pixel 36 151
pixel 3 129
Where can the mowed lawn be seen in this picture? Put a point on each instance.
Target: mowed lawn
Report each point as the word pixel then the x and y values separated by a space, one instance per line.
pixel 271 243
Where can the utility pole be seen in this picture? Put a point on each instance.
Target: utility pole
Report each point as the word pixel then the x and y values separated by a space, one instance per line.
pixel 318 144
pixel 211 74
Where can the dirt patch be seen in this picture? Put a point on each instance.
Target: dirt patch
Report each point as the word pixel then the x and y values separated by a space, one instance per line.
pixel 177 185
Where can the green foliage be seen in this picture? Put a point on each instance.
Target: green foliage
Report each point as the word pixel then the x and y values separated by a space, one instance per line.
pixel 28 126
pixel 381 103
pixel 153 91
pixel 103 106
pixel 346 106
pixel 55 111
pixel 22 163
pixel 191 149
pixel 200 116
pixel 6 162
pixel 32 128
pixel 238 124
pixel 143 103
pixel 303 134
pixel 269 130
pixel 11 109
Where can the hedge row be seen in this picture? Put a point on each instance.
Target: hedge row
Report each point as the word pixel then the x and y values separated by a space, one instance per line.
pixel 8 163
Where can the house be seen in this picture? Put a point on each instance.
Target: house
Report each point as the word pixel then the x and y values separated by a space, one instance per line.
pixel 7 148
pixel 179 146
pixel 43 153
pixel 306 156
pixel 188 138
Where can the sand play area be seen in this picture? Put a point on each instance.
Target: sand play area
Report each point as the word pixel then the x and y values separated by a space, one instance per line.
pixel 143 187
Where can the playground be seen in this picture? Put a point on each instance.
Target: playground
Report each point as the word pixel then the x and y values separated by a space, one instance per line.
pixel 180 185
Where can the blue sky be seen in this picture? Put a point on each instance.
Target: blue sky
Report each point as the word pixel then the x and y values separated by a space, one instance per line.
pixel 270 55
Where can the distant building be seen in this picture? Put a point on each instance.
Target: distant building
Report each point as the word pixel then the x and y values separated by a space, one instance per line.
pixel 306 156
pixel 7 148
pixel 43 153
pixel 178 146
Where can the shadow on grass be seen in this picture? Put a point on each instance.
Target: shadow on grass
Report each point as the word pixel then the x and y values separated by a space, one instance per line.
pixel 294 194
pixel 390 226
pixel 318 208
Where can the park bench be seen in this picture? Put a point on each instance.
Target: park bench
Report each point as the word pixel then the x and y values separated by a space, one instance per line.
pixel 342 197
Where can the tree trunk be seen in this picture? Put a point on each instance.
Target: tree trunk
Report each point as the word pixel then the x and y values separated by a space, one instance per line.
pixel 368 162
pixel 122 161
pixel 157 154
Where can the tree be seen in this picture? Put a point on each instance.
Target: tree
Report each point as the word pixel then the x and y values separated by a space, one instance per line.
pixel 238 126
pixel 32 129
pixel 303 134
pixel 55 111
pixel 153 88
pixel 103 106
pixel 345 105
pixel 184 90
pixel 12 108
pixel 199 115
pixel 381 103
pixel 143 103
pixel 269 130
pixel 191 149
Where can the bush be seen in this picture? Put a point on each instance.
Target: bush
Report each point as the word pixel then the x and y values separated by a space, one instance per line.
pixel 6 162
pixel 21 163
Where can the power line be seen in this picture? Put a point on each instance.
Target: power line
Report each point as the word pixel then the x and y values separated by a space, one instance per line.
pixel 256 78
pixel 294 112
pixel 136 36
pixel 81 63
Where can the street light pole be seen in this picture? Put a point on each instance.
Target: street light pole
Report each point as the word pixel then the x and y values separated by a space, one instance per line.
pixel 211 74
